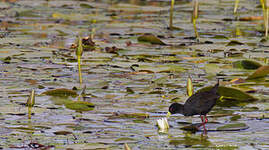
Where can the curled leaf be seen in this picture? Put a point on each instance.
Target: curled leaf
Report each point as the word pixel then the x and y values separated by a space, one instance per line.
pixel 150 39
pixel 260 72
pixel 231 93
pixel 234 43
pixel 246 64
pixel 31 99
pixel 126 147
pixel 189 87
pixel 79 49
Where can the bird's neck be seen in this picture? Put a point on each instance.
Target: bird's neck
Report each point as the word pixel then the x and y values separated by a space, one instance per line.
pixel 215 88
pixel 181 109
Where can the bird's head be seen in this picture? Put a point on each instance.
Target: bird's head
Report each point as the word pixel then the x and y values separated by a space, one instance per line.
pixel 175 108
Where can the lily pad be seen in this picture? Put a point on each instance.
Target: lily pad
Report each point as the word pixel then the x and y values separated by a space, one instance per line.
pixel 233 127
pixel 159 68
pixel 261 72
pixel 246 64
pixel 62 132
pixel 125 139
pixel 211 126
pixel 150 39
pixel 131 115
pixel 231 93
pixel 233 43
pixel 61 92
pixel 79 105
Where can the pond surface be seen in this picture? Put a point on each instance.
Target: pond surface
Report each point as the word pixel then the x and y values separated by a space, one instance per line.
pixel 133 87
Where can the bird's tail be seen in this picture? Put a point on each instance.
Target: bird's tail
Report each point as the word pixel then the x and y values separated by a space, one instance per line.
pixel 215 88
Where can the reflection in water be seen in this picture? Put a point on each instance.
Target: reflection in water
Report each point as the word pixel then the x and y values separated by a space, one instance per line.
pixel 190 140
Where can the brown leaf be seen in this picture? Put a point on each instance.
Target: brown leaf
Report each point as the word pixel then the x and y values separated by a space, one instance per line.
pixel 251 18
pixel 260 72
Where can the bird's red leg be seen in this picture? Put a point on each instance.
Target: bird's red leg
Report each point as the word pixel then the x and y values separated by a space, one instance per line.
pixel 206 119
pixel 202 119
pixel 204 124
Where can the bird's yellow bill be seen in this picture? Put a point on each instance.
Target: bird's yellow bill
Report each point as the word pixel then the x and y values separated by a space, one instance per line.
pixel 168 114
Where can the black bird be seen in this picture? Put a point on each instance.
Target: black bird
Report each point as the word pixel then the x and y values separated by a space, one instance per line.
pixel 199 103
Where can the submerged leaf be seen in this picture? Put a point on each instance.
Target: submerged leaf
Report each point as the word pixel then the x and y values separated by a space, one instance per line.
pixel 246 64
pixel 150 39
pixel 61 92
pixel 261 72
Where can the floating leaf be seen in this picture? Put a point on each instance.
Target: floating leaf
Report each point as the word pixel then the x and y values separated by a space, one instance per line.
pixel 61 92
pixel 131 115
pixel 124 139
pixel 251 18
pixel 79 105
pixel 159 68
pixel 234 43
pixel 6 59
pixel 231 93
pixel 233 127
pixel 83 5
pixel 246 64
pixel 150 39
pixel 23 128
pixel 235 117
pixel 62 132
pixel 212 69
pixel 261 72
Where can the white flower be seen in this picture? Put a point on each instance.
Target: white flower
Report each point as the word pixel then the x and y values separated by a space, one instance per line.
pixel 162 124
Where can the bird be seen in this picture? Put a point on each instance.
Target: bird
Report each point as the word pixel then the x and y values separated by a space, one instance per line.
pixel 199 103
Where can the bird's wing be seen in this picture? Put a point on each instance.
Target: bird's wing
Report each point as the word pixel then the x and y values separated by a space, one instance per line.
pixel 200 103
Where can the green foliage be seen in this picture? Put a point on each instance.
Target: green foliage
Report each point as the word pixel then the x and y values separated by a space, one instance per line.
pixel 150 39
pixel 79 50
pixel 246 64
pixel 232 93
pixel 61 92
pixel 232 127
pixel 79 105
